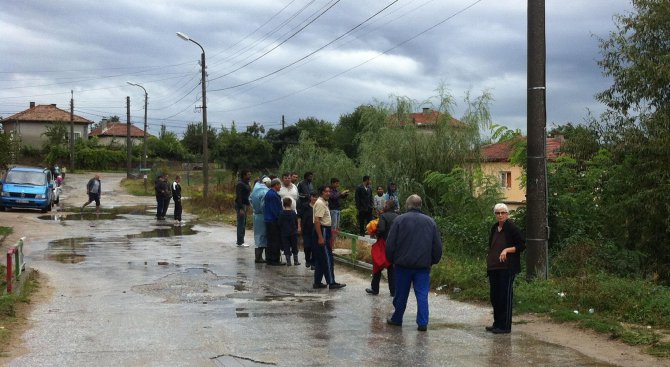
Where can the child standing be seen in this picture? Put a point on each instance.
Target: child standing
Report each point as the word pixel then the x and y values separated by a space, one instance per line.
pixel 288 226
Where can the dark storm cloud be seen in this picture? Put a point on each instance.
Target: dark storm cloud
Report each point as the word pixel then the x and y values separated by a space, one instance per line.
pixel 93 48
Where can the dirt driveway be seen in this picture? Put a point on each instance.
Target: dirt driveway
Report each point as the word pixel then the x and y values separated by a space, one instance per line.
pixel 26 223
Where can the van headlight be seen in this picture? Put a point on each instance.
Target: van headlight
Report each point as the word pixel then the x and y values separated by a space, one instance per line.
pixel 4 193
pixel 40 196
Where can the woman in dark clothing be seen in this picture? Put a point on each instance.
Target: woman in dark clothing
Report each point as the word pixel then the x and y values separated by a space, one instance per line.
pixel 503 263
pixel 383 227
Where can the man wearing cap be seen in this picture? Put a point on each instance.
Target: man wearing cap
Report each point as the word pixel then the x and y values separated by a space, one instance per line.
pixel 257 203
pixel 162 191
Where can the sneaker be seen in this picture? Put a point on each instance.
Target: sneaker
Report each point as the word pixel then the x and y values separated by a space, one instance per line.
pixel 318 285
pixel 489 328
pixel 336 286
pixel 242 245
pixel 422 328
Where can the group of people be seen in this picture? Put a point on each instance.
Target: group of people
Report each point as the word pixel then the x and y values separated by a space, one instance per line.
pixel 283 209
pixel 166 192
pixel 407 244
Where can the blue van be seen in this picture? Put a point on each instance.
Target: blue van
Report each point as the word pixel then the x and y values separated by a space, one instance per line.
pixel 27 187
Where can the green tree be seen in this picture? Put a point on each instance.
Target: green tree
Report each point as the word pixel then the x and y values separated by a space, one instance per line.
pixel 320 131
pixel 636 129
pixel 280 140
pixel 192 139
pixel 244 150
pixel 55 147
pixel 167 146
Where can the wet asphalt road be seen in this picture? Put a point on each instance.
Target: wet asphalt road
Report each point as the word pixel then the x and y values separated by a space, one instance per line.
pixel 131 291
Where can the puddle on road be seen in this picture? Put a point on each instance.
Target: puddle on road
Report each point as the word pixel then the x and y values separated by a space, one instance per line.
pixel 74 250
pixel 105 214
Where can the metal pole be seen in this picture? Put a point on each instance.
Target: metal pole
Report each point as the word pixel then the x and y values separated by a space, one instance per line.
pixel 128 141
pixel 536 187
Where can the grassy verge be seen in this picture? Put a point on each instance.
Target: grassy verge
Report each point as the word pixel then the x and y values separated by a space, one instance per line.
pixel 8 307
pixel 5 231
pixel 631 310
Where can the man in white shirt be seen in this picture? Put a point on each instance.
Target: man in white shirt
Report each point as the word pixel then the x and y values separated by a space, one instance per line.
pixel 288 189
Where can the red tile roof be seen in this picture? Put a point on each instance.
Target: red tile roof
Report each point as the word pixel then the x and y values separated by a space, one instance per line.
pixel 46 113
pixel 117 129
pixel 430 117
pixel 500 152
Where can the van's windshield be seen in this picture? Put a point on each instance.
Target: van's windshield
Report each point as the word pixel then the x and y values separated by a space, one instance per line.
pixel 26 178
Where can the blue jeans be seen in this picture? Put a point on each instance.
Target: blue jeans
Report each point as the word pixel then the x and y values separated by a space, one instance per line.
pixel 335 216
pixel 323 258
pixel 241 223
pixel 404 279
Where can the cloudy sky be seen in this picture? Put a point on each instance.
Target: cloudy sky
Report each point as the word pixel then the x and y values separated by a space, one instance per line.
pixel 297 58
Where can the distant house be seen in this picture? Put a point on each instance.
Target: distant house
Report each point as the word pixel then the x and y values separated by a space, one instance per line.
pixel 31 124
pixel 109 132
pixel 426 119
pixel 496 162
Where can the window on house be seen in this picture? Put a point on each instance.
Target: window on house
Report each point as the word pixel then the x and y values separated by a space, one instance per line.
pixel 506 179
pixel 77 136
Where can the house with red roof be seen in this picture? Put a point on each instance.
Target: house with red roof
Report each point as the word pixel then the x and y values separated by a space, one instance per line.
pixel 496 162
pixel 31 124
pixel 428 118
pixel 114 132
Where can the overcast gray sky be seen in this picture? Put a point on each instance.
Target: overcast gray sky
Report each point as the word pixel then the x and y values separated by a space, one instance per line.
pixel 93 47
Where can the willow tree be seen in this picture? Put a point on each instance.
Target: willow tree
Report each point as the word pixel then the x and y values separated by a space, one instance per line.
pixel 394 148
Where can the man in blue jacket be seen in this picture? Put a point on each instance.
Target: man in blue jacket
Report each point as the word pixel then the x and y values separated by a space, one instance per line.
pixel 271 211
pixel 413 245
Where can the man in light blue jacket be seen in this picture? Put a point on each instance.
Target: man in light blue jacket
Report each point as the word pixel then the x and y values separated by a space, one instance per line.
pixel 258 202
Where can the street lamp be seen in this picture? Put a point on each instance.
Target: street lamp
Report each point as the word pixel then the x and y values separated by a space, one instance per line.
pixel 205 153
pixel 144 139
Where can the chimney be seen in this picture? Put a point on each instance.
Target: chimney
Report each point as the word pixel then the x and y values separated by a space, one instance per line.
pixel 426 110
pixel 32 104
pixel 53 105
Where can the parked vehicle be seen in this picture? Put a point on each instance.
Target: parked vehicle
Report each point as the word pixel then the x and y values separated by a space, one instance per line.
pixel 28 187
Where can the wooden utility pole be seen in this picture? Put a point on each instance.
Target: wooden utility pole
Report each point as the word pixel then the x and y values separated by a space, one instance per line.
pixel 128 140
pixel 537 228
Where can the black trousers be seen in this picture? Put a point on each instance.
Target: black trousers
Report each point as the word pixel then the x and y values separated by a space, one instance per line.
pixel 501 292
pixel 376 277
pixel 272 253
pixel 364 217
pixel 166 204
pixel 177 209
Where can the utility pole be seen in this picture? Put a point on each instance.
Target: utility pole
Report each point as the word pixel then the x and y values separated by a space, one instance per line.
pixel 537 228
pixel 72 131
pixel 205 152
pixel 128 140
pixel 282 122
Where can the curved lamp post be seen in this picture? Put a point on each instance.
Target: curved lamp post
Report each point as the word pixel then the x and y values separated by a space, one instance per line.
pixel 144 139
pixel 205 153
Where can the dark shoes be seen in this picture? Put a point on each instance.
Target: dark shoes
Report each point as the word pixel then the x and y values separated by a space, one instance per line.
pixel 318 285
pixel 391 322
pixel 495 330
pixel 336 286
pixel 422 328
pixel 490 328
pixel 370 291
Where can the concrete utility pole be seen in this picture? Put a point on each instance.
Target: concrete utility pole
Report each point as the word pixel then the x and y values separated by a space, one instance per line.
pixel 72 131
pixel 129 145
pixel 537 228
pixel 205 152
pixel 144 138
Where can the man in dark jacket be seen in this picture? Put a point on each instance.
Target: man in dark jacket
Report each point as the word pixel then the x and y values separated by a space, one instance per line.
pixel 93 189
pixel 364 204
pixel 413 245
pixel 242 193
pixel 162 191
